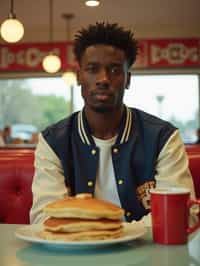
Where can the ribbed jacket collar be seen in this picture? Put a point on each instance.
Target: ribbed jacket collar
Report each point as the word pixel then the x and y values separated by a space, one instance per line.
pixel 123 134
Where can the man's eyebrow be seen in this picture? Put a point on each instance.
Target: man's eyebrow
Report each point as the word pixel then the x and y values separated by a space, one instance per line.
pixel 111 63
pixel 92 63
pixel 116 64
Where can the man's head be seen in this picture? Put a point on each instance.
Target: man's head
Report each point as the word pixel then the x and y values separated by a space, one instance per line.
pixel 198 133
pixel 105 53
pixel 7 130
pixel 107 34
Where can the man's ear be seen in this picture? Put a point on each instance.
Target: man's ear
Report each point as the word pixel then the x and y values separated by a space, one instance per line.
pixel 128 80
pixel 78 77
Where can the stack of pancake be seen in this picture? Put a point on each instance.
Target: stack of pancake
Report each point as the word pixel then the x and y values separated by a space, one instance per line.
pixel 82 218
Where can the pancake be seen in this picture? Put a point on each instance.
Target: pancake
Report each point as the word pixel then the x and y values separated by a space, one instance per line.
pixel 82 218
pixel 85 207
pixel 81 236
pixel 79 225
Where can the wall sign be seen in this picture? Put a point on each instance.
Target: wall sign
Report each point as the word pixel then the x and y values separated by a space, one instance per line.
pixel 153 53
pixel 169 53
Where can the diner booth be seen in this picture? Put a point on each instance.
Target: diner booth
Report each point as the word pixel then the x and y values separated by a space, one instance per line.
pixel 16 173
pixel 17 160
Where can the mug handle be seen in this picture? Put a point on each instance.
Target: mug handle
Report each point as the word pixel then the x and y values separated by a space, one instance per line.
pixel 197 225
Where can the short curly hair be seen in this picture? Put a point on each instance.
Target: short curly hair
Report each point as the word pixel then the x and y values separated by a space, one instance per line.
pixel 106 33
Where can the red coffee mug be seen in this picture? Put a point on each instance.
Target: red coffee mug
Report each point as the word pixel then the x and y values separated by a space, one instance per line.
pixel 170 214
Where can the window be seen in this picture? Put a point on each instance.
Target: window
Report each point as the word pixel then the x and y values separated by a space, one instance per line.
pixel 33 101
pixel 42 101
pixel 170 97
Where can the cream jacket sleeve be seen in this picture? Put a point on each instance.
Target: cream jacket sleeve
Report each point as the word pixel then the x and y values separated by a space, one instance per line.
pixel 172 170
pixel 48 182
pixel 172 165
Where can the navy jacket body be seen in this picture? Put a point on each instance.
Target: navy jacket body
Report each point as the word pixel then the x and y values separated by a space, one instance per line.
pixel 140 139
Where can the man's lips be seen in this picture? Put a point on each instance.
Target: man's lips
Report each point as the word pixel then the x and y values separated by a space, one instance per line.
pixel 102 96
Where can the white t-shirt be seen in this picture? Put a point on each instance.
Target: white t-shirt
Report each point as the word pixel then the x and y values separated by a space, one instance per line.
pixel 106 187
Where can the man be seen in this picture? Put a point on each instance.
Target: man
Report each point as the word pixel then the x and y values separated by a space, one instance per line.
pixel 1 138
pixel 7 135
pixel 107 149
pixel 198 136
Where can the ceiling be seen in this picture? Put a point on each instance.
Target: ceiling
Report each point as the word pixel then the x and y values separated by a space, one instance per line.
pixel 147 18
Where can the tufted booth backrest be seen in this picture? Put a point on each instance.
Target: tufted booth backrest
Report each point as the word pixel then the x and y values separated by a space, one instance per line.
pixel 193 151
pixel 194 165
pixel 192 148
pixel 16 173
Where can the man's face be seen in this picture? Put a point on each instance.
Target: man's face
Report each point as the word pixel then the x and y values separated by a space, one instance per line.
pixel 103 76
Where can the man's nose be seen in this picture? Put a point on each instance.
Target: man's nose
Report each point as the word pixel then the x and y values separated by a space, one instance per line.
pixel 103 77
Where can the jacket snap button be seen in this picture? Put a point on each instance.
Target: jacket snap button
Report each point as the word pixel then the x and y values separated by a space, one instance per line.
pixel 128 214
pixel 120 182
pixel 115 150
pixel 93 152
pixel 90 183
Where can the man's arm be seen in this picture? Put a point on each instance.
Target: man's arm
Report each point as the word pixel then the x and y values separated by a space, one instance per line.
pixel 172 165
pixel 48 181
pixel 172 170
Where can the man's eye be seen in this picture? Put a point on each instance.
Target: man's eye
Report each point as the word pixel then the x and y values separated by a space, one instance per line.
pixel 116 70
pixel 92 69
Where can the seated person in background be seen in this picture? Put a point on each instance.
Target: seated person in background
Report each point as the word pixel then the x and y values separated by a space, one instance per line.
pixel 17 141
pixel 7 135
pixel 198 136
pixel 115 152
pixel 1 138
pixel 34 138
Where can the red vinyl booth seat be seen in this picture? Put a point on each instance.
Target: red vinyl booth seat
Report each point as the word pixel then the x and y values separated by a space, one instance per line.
pixel 192 148
pixel 194 165
pixel 16 173
pixel 193 151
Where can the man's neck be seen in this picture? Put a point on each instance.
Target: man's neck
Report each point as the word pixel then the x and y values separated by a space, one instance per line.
pixel 104 125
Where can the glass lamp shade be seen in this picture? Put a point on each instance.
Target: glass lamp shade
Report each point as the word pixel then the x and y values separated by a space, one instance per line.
pixel 51 63
pixel 92 3
pixel 12 30
pixel 69 78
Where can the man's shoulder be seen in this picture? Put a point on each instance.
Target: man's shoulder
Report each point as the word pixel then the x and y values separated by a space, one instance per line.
pixel 58 125
pixel 149 119
pixel 61 127
pixel 152 128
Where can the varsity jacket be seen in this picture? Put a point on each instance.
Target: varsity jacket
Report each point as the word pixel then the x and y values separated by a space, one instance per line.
pixel 140 139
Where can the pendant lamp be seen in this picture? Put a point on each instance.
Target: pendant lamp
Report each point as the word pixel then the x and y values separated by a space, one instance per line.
pixel 51 63
pixel 69 76
pixel 92 3
pixel 12 30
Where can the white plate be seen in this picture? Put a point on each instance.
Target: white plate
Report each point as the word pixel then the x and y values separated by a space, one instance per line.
pixel 31 233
